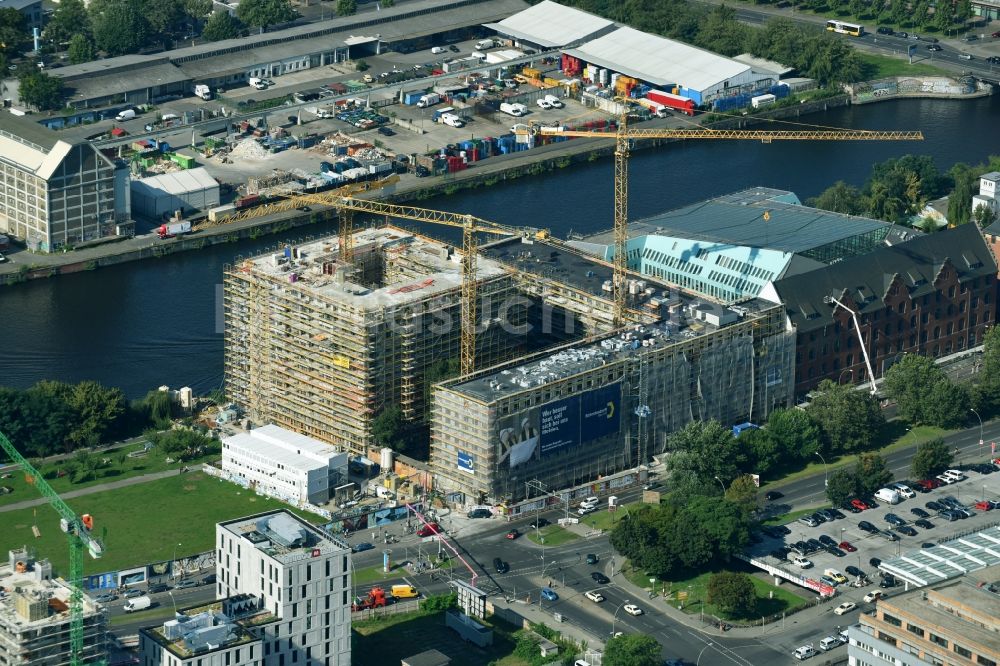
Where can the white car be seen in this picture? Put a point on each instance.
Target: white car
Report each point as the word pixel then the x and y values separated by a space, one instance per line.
pixel 845 607
pixel 904 490
pixel 945 479
pixel 543 103
pixel 954 474
pixel 586 508
pixel 594 596
pixel 874 596
pixel 554 101
pixel 632 609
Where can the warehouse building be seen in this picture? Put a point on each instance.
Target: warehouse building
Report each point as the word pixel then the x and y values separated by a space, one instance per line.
pixel 549 25
pixel 321 346
pixel 590 409
pixel 57 193
pixel 951 624
pixel 730 247
pixel 283 464
pixel 147 79
pixel 35 618
pixel 187 191
pixel 931 295
pixel 669 65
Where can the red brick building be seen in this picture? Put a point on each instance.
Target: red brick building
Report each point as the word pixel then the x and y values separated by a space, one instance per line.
pixel 932 295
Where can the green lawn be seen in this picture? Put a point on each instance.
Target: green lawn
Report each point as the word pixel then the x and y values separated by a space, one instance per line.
pixel 554 535
pixel 881 66
pixel 112 471
pixel 694 585
pixel 141 523
pixel 395 637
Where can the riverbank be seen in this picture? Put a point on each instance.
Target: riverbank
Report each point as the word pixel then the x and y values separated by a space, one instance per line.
pixel 24 266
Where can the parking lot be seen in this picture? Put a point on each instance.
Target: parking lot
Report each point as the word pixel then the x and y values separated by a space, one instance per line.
pixel 869 549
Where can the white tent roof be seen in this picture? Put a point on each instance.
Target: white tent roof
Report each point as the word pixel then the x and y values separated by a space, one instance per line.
pixel 180 182
pixel 550 24
pixel 658 60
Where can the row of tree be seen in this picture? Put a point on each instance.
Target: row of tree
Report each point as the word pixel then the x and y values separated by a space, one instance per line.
pixel 56 417
pixel 918 14
pixel 899 188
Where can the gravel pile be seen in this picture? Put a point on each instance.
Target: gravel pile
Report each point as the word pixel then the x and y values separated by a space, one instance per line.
pixel 249 149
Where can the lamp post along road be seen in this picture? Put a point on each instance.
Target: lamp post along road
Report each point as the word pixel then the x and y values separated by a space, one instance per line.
pixel 826 479
pixel 981 439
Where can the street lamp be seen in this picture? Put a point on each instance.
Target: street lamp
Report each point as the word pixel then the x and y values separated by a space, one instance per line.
pixel 614 618
pixel 980 429
pixel 826 479
pixel 850 370
pixel 173 558
pixel 721 484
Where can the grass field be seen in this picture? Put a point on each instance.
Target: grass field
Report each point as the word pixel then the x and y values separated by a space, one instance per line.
pixel 143 523
pixel 113 470
pixel 395 637
pixel 554 535
pixel 695 586
pixel 879 66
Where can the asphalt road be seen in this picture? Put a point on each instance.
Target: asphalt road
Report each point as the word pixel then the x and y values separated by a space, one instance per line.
pixel 810 491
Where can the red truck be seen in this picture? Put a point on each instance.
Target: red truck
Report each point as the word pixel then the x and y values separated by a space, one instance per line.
pixel 376 599
pixel 173 229
pixel 675 102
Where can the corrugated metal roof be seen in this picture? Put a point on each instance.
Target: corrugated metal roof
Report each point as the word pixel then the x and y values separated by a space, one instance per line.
pixel 659 60
pixel 947 560
pixel 284 447
pixel 179 182
pixel 550 24
pixel 763 64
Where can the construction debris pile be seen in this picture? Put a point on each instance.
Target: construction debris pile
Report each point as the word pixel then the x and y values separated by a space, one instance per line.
pixel 249 149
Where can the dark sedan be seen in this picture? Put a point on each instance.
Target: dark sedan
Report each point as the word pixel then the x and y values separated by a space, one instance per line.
pixel 867 527
pixel 920 513
pixel 924 524
pixel 854 571
pixel 907 530
pixel 600 578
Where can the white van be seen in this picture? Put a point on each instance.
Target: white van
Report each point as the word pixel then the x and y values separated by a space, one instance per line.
pixel 483 44
pixel 127 114
pixel 888 495
pixel 438 49
pixel 804 652
pixel 829 643
pixel 257 83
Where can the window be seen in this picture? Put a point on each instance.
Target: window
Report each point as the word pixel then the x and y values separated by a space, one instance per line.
pixel 894 621
pixel 913 629
pixel 962 651
pixel 984 661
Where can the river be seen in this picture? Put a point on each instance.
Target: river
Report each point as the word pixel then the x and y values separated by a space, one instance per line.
pixel 143 324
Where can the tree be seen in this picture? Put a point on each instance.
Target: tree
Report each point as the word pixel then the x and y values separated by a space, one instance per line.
pixel 40 90
pixel 841 487
pixel 159 408
pixel 931 458
pixel 119 26
pixel 872 472
pixel 764 451
pixel 390 429
pixel 924 394
pixel 347 7
pixel 163 17
pixel 840 198
pixel 264 13
pixel 796 433
pixel 707 450
pixel 960 199
pixel 733 593
pixel 850 420
pixel 632 650
pixel 81 49
pixel 722 32
pixel 984 216
pixel 388 3
pixel 197 10
pixel 98 409
pixel 743 491
pixel 223 25
pixel 69 18
pixel 13 32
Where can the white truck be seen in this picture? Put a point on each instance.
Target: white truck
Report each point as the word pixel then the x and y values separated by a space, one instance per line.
pixel 259 84
pixel 127 114
pixel 430 99
pixel 484 44
pixel 320 111
pixel 137 604
pixel 516 110
pixel 451 120
pixel 203 91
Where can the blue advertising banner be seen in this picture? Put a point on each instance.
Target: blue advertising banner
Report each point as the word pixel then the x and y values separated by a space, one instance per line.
pixel 559 424
pixel 465 462
pixel 600 412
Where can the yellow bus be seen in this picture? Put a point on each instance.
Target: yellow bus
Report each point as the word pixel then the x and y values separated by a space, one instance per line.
pixel 845 28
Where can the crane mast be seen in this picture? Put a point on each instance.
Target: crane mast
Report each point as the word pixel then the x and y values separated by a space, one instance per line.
pixel 78 535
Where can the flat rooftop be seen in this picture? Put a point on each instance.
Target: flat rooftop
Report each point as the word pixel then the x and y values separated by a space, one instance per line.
pixel 949 559
pixel 547 260
pixel 284 536
pixel 922 604
pixel 572 359
pixel 201 629
pixel 757 217
pixel 439 264
pixel 284 447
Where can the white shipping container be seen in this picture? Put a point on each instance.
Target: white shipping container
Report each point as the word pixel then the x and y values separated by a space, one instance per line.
pixel 762 100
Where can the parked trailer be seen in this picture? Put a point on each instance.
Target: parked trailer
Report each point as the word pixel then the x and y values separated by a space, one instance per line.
pixel 762 100
pixel 676 102
pixel 173 229
pixel 655 108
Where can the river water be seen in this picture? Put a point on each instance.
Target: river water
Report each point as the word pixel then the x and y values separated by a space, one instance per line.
pixel 143 324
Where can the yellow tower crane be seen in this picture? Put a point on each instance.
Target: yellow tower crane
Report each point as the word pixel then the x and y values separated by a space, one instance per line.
pixel 623 135
pixel 77 529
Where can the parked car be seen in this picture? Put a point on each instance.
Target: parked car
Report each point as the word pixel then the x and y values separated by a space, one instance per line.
pixel 428 530
pixel 874 595
pixel 827 541
pixel 820 518
pixel 599 578
pixel 934 506
pixel 362 547
pixel 954 474
pixel 539 523
pixel 924 524
pixel 853 509
pixel 156 588
pixel 809 520
pixel 984 505
pixel 867 527
pixel 836 576
pixel 875 562
pixel 772 495
pixel 804 652
pixel 919 513
pixel 903 490
pixel 543 103
pixel 186 584
pixel 209 579
pixel 835 513
pixel 454 49
pixel 858 504
pixel 888 580
pixel 814 545
pixel 884 30
pixel 632 609
pixel 106 598
pixel 907 530
pixel 893 519
pixel 846 545
pixel 854 571
pixel 845 607
pixel 827 580
pixel 386 131
pixel 888 536
pixel 927 485
pixel 133 593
